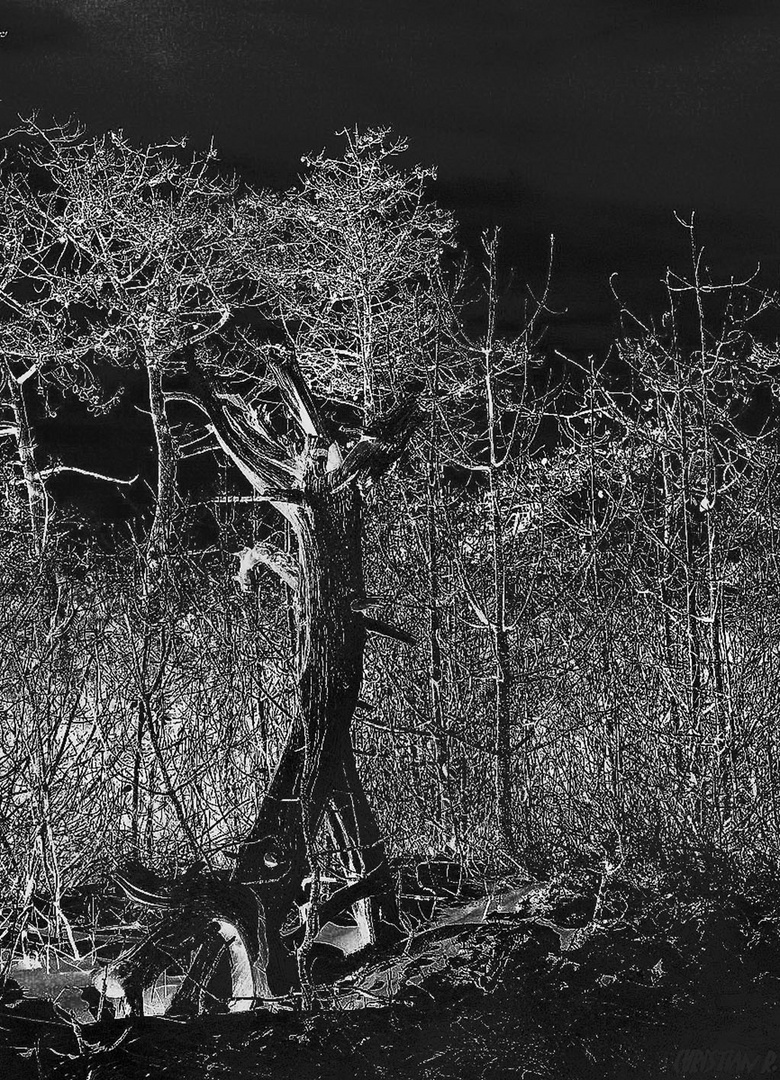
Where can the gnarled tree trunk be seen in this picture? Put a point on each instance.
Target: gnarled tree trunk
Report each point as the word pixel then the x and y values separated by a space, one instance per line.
pixel 318 754
pixel 316 780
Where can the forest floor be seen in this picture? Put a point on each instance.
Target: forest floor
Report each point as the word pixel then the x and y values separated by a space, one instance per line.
pixel 576 977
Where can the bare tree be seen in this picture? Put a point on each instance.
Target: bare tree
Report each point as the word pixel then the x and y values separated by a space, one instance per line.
pixel 311 465
pixel 347 262
pixel 38 353
pixel 144 269
pixel 134 254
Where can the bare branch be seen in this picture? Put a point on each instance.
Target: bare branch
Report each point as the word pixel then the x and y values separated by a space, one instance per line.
pixel 383 629
pixel 283 495
pixel 365 603
pixel 258 457
pixel 55 470
pixel 297 397
pixel 263 553
pixel 380 446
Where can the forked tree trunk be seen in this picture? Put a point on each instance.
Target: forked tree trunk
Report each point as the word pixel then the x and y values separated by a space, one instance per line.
pixel 316 778
pixel 318 752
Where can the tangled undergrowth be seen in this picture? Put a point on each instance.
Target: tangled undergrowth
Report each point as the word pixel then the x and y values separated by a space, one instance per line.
pixel 561 979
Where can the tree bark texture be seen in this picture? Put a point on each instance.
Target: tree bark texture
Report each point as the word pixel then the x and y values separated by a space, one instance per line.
pixel 318 751
pixel 316 779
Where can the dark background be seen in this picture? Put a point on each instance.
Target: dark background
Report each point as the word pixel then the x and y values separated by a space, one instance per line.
pixel 590 119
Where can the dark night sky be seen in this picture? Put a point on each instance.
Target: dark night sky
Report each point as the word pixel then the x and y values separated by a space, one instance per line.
pixel 592 119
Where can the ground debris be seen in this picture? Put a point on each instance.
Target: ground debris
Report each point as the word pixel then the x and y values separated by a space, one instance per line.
pixel 523 985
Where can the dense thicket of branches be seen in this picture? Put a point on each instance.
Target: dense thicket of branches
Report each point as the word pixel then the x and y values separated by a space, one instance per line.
pixel 589 570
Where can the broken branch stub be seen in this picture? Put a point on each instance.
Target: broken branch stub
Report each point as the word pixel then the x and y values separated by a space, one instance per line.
pixel 282 564
pixel 316 780
pixel 383 629
pixel 379 446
